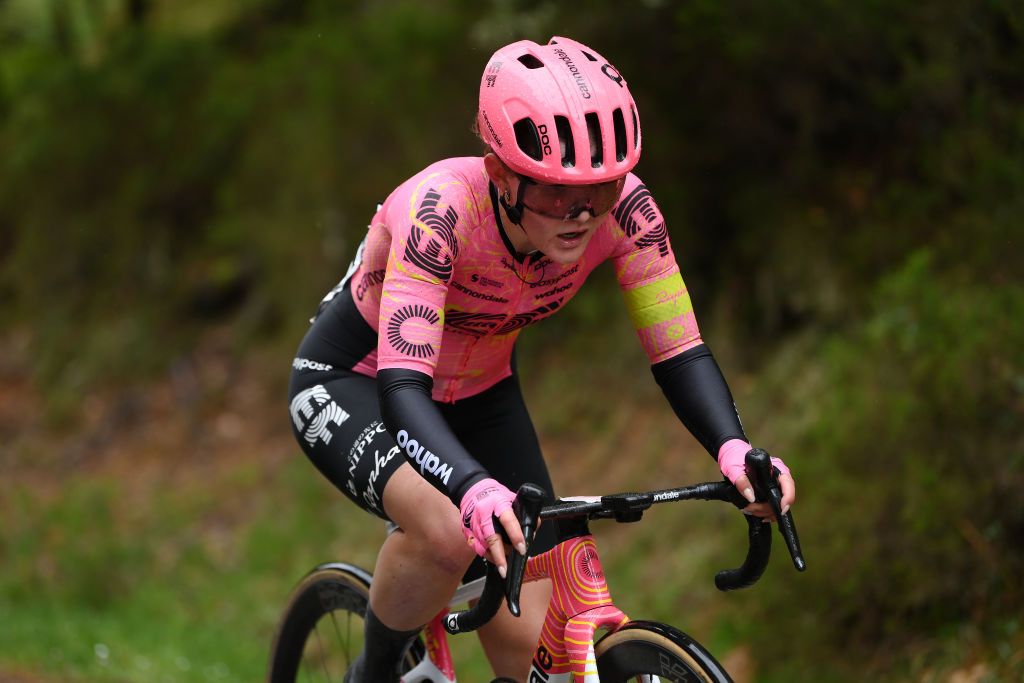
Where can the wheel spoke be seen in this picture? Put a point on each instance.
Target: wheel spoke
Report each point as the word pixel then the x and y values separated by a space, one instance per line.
pixel 323 655
pixel 343 643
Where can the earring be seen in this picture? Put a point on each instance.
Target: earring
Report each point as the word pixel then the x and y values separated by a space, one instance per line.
pixel 507 197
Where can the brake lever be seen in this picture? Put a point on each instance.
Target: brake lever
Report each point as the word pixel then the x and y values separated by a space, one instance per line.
pixel 529 500
pixel 764 477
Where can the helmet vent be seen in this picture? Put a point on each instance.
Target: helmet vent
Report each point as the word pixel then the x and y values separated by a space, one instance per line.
pixel 565 141
pixel 636 128
pixel 589 56
pixel 531 62
pixel 619 124
pixel 528 138
pixel 596 145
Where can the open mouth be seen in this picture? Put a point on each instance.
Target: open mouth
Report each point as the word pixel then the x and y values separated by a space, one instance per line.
pixel 570 236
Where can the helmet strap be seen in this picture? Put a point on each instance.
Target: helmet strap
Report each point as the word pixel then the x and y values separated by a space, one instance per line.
pixel 515 213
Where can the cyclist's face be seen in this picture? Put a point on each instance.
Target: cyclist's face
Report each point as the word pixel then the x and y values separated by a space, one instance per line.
pixel 559 220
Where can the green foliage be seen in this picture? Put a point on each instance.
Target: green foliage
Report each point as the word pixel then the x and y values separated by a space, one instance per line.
pixel 907 472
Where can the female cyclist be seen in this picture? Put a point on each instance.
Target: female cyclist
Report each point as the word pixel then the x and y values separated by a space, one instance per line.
pixel 404 392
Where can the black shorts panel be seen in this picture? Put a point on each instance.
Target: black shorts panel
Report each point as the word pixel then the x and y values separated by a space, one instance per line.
pixel 337 422
pixel 336 419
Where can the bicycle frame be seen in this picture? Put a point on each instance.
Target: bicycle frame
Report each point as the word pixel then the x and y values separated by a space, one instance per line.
pixel 580 605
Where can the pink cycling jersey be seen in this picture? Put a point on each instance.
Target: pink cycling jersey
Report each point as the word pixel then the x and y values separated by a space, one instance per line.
pixel 447 295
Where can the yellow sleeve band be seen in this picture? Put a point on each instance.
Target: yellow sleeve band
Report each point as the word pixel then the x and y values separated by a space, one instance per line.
pixel 658 302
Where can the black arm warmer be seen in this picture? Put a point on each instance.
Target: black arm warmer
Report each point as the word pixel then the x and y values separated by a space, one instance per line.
pixel 696 389
pixel 420 431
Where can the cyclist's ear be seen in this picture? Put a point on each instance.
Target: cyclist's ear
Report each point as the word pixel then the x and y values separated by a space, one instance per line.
pixel 500 174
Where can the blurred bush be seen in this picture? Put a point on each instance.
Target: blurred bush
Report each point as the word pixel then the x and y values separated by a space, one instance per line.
pixel 909 458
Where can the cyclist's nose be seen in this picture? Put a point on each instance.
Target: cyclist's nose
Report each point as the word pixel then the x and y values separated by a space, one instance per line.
pixel 585 214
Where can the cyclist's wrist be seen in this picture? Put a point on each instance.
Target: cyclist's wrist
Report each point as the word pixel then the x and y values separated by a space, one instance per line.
pixel 459 493
pixel 732 459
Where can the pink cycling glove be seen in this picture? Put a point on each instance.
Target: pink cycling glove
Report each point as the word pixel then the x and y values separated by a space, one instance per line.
pixel 731 459
pixel 484 499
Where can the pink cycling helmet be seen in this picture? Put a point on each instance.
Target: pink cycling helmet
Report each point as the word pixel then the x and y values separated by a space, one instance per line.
pixel 559 113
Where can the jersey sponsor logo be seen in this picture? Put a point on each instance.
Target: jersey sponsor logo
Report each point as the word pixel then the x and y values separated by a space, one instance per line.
pixel 306 364
pixel 539 265
pixel 313 412
pixel 637 214
pixel 479 295
pixel 398 338
pixel 657 236
pixel 671 295
pixel 556 290
pixel 524 319
pixel 482 324
pixel 552 280
pixel 476 278
pixel 427 461
pixel 473 324
pixel 368 280
pixel 424 249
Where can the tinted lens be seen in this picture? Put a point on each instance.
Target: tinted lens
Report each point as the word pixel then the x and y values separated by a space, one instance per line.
pixel 567 202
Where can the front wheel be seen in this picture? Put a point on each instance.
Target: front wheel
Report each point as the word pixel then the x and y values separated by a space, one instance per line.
pixel 649 652
pixel 321 630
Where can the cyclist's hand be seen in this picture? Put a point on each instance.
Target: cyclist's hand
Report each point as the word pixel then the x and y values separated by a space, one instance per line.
pixel 731 460
pixel 484 501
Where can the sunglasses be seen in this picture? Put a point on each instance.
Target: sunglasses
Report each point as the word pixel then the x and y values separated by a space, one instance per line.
pixel 568 202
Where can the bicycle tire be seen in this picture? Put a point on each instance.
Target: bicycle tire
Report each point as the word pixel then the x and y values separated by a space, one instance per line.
pixel 321 628
pixel 648 648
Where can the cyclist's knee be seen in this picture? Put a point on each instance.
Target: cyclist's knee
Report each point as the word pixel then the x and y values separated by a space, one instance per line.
pixel 430 522
pixel 445 547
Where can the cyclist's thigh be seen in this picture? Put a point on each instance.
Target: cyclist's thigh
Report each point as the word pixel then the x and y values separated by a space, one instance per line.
pixel 336 419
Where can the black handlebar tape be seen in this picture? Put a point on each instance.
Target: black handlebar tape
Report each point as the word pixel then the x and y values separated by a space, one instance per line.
pixel 484 610
pixel 759 471
pixel 759 535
